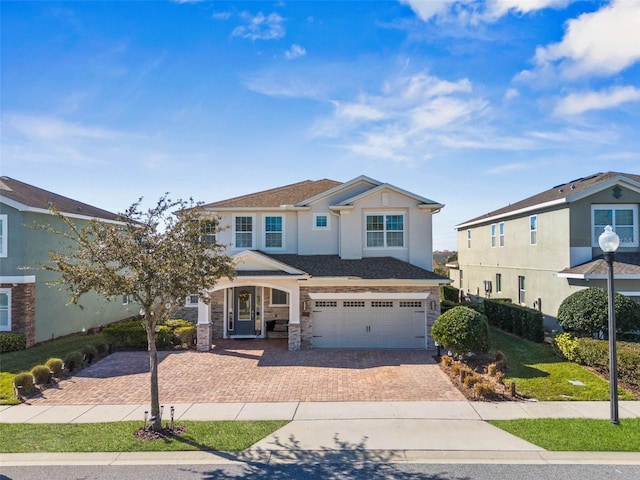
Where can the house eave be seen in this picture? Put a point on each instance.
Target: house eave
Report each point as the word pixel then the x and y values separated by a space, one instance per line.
pixel 21 207
pixel 512 213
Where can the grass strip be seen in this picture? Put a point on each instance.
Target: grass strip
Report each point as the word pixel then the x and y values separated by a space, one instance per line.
pixel 576 434
pixel 539 373
pixel 118 437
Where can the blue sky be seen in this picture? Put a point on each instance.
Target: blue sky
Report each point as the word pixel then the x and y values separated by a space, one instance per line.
pixel 472 104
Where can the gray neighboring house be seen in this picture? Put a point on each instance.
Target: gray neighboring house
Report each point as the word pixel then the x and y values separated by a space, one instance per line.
pixel 27 304
pixel 540 250
pixel 326 264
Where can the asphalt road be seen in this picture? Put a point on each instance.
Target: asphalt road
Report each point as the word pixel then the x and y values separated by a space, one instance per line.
pixel 338 471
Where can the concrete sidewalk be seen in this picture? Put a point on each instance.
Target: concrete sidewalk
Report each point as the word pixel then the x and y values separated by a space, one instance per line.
pixel 435 432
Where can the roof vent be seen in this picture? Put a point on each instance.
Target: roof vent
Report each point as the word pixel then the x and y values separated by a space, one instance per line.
pixel 559 190
pixel 79 209
pixel 573 187
pixel 50 203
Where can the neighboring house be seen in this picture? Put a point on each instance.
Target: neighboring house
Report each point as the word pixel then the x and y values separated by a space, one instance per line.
pixel 27 304
pixel 542 249
pixel 339 265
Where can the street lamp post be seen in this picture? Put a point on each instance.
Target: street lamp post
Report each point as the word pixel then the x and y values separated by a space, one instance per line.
pixel 609 241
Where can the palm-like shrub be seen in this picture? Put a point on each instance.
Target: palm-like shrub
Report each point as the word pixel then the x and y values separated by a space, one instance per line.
pixel 56 366
pixel 586 312
pixel 74 361
pixel 24 383
pixel 41 374
pixel 462 330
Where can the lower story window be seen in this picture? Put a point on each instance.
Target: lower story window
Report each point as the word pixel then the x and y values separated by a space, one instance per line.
pixel 5 309
pixel 521 291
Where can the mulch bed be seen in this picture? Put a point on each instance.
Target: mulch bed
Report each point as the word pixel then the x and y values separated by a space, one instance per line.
pixel 147 433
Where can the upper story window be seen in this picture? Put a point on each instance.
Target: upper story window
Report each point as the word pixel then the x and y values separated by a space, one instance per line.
pixel 5 309
pixel 493 235
pixel 533 230
pixel 3 235
pixel 278 297
pixel 501 234
pixel 321 221
pixel 385 231
pixel 243 232
pixel 622 218
pixel 273 232
pixel 208 232
pixel 469 238
pixel 192 300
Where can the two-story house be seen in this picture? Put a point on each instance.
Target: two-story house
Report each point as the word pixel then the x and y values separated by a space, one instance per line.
pixel 343 265
pixel 540 250
pixel 27 304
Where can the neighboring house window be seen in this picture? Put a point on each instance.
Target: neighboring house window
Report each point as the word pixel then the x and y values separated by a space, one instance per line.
pixel 321 221
pixel 521 291
pixel 208 232
pixel 192 300
pixel 533 230
pixel 5 309
pixel 273 229
pixel 3 235
pixel 501 233
pixel 498 282
pixel 278 297
pixel 622 218
pixel 385 231
pixel 469 238
pixel 125 299
pixel 243 230
pixel 493 235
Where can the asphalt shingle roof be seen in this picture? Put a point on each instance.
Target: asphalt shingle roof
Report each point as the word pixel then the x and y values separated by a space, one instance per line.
pixel 372 268
pixel 275 197
pixel 625 263
pixel 35 197
pixel 556 193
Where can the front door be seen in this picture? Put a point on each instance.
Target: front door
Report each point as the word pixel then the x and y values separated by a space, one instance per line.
pixel 245 310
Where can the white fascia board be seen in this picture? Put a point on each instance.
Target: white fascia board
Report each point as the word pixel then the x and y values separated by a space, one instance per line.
pixel 342 186
pixel 266 261
pixel 513 213
pixel 215 211
pixel 359 282
pixel 18 279
pixel 575 276
pixel 425 202
pixel 44 211
pixel 369 296
pixel 599 276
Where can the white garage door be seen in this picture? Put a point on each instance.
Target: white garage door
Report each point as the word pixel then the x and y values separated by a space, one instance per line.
pixel 369 324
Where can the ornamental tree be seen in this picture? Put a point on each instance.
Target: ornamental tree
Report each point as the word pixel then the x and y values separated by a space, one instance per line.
pixel 586 312
pixel 158 257
pixel 462 330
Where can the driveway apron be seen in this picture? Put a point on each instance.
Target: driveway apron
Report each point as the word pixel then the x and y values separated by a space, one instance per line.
pixel 258 371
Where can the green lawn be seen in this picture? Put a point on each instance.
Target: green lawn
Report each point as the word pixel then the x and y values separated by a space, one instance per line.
pixel 118 437
pixel 576 434
pixel 540 374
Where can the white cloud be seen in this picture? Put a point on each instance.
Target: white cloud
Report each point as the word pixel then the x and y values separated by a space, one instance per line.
pixel 511 93
pixel 577 103
pixel 222 15
pixel 601 43
pixel 260 27
pixel 295 51
pixel 429 9
pixel 499 8
pixel 511 167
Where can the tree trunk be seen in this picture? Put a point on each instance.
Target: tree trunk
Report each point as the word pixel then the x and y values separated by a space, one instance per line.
pixel 156 421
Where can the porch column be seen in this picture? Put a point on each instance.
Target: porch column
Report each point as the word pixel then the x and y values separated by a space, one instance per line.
pixel 295 329
pixel 204 329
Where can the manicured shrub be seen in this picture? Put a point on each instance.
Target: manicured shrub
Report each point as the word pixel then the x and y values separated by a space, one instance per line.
pixel 56 365
pixel 132 335
pixel 101 348
pixel 74 361
pixel 41 374
pixel 586 312
pixel 521 321
pixel 24 383
pixel 462 330
pixel 185 335
pixel 90 353
pixel 12 342
pixel 449 293
pixel 566 346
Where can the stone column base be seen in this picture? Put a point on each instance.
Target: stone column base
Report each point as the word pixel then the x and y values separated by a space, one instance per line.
pixel 204 333
pixel 294 336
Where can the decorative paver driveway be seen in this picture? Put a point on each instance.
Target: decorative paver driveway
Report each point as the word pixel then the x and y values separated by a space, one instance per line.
pixel 259 371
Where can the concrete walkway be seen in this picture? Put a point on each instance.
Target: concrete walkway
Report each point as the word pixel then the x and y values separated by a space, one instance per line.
pixel 436 432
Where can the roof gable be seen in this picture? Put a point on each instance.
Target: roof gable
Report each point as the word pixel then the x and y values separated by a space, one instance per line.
pixel 254 261
pixel 362 179
pixel 25 197
pixel 564 193
pixel 387 186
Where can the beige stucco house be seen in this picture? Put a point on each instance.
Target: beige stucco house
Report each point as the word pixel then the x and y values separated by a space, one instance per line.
pixel 329 264
pixel 542 249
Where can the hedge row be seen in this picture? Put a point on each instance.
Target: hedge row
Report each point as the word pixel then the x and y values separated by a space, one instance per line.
pixel 521 321
pixel 449 293
pixel 12 342
pixel 595 353
pixel 132 334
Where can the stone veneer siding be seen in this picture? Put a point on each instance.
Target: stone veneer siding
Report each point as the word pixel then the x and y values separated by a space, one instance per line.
pixel 306 319
pixel 217 314
pixel 23 310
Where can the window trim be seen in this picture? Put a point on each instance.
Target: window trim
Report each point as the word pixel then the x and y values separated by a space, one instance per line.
pixel 501 234
pixel 468 238
pixel 271 304
pixel 533 232
pixel 281 232
pixel 315 219
pixel 616 206
pixel 7 291
pixel 253 230
pixel 493 235
pixel 385 231
pixel 498 283
pixel 188 301
pixel 522 290
pixel 4 235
